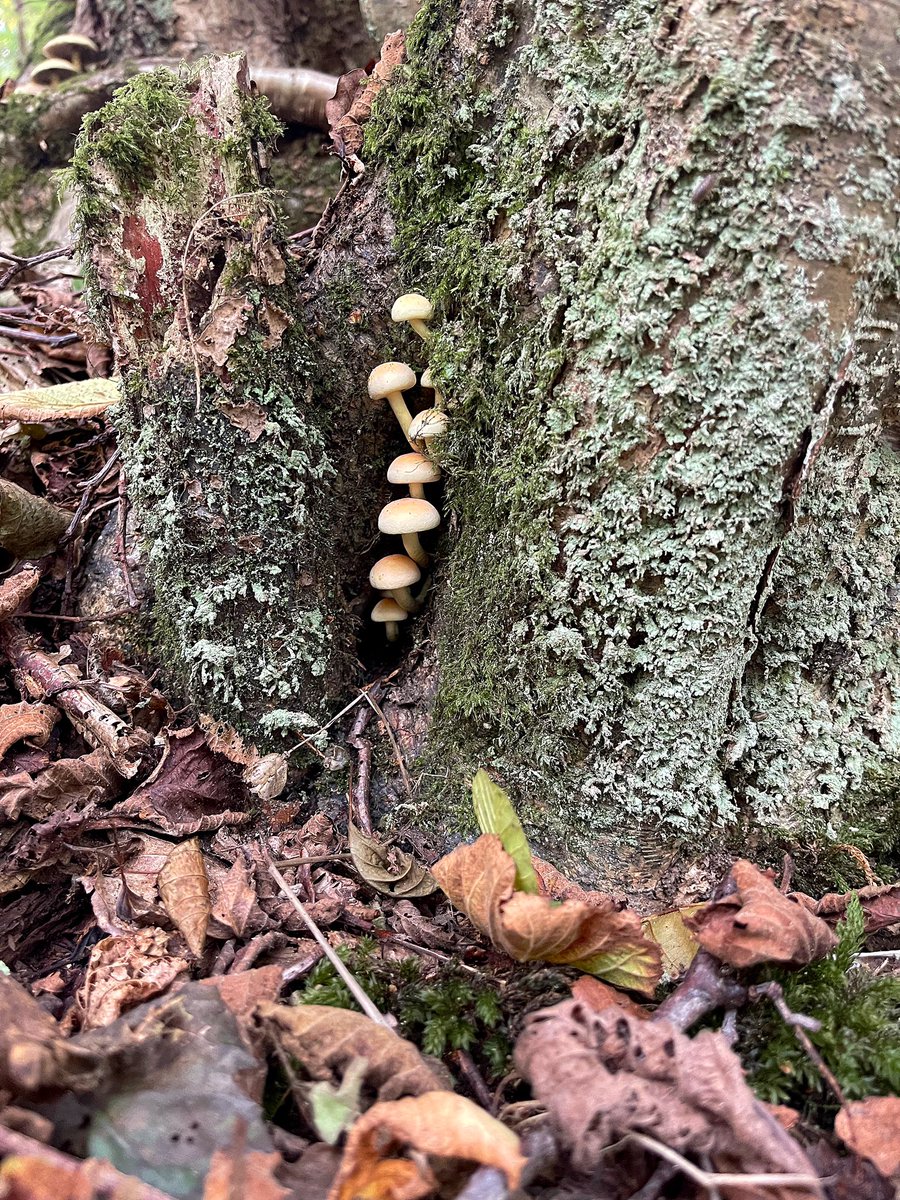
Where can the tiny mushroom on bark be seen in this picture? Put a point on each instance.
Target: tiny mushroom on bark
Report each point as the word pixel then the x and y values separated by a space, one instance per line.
pixel 409 518
pixel 427 383
pixel 52 70
pixel 416 310
pixel 388 612
pixel 388 382
pixel 75 48
pixel 428 425
pixel 394 574
pixel 412 471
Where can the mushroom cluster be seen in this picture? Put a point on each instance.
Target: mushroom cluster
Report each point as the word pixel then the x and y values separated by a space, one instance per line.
pixel 64 57
pixel 396 574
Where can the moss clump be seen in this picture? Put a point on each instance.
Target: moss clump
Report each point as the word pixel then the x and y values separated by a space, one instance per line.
pixel 452 1011
pixel 859 1039
pixel 26 173
pixel 633 623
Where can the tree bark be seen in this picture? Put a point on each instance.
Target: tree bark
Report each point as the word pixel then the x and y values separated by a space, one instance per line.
pixel 661 240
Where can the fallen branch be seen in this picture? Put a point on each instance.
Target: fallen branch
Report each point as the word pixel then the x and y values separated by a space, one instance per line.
pixel 38 676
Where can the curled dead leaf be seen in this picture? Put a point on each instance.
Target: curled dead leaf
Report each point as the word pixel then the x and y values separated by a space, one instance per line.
pixel 440 1123
pixel 325 1040
pixel 124 971
pixel 61 401
pixel 184 890
pixel 756 923
pixel 24 720
pixel 351 105
pixel 596 936
pixel 392 872
pixel 880 904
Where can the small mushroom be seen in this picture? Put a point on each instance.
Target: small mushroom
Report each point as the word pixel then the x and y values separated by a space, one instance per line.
pixel 426 382
pixel 409 518
pixel 428 425
pixel 52 70
pixel 412 471
pixel 74 48
pixel 388 382
pixel 416 310
pixel 394 574
pixel 388 612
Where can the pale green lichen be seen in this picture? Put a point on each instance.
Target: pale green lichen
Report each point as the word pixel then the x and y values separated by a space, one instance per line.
pixel 634 624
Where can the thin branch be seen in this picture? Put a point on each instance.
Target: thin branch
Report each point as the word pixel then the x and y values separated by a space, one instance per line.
pixel 46 339
pixel 398 757
pixel 799 1024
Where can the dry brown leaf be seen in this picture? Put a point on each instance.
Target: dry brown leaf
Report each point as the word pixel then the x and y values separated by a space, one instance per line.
pixel 388 870
pixel 61 401
pixel 243 993
pixel 184 890
pixel 440 1123
pixel 880 904
pixel 124 971
pixel 29 1177
pixel 603 1075
pixel 24 720
pixel 359 93
pixel 68 783
pixel 871 1128
pixel 234 898
pixel 324 1040
pixel 599 995
pixel 757 924
pixel 23 1026
pixel 234 1175
pixel 596 936
pixel 16 589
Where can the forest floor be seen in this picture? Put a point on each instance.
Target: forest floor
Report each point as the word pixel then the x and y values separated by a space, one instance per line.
pixel 209 987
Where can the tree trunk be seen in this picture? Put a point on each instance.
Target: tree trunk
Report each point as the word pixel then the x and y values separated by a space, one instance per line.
pixel 661 240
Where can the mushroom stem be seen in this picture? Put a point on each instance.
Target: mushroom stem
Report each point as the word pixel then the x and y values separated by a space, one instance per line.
pixel 413 548
pixel 421 328
pixel 401 412
pixel 76 63
pixel 391 630
pixel 417 490
pixel 404 596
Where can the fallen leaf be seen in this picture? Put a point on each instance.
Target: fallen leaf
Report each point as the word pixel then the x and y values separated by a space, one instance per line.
pixel 346 130
pixel 603 1075
pixel 234 898
pixel 233 1175
pixel 24 720
pixel 849 1176
pixel 123 972
pixel 193 790
pixel 676 942
pixel 440 1123
pixel 598 995
pixel 495 814
pixel 61 401
pixel 880 905
pixel 757 924
pixel 597 937
pixel 23 1025
pixel 16 589
pixel 29 1177
pixel 392 872
pixel 325 1040
pixel 267 777
pixel 334 1107
pixel 184 890
pixel 243 993
pixel 871 1128
pixel 69 782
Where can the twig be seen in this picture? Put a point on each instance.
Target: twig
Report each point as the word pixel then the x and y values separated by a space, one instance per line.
pixel 359 798
pixel 116 615
pixel 355 990
pixel 473 1077
pixel 799 1024
pixel 47 339
pixel 704 988
pixel 308 859
pixel 20 264
pixel 398 757
pixel 711 1180
pixel 104 1178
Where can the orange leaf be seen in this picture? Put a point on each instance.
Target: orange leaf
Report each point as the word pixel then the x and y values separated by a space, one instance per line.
pixel 439 1123
pixel 593 934
pixel 184 890
pixel 871 1128
pixel 598 995
pixel 243 1173
pixel 757 924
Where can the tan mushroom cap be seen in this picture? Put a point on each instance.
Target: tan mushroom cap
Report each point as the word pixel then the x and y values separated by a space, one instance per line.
pixel 53 70
pixel 408 516
pixel 388 610
pixel 390 377
pixel 426 381
pixel 413 468
pixel 70 45
pixel 394 571
pixel 429 424
pixel 412 307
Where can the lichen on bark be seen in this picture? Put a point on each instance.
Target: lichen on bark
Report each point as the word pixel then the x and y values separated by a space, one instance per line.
pixel 662 241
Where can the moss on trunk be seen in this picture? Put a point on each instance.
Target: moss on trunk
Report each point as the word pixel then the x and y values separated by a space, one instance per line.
pixel 662 242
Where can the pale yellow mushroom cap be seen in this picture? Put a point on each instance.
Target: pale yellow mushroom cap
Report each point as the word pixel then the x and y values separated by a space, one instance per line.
pixel 53 70
pixel 67 45
pixel 388 610
pixel 412 307
pixel 408 516
pixel 425 381
pixel 413 468
pixel 429 424
pixel 390 377
pixel 394 571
